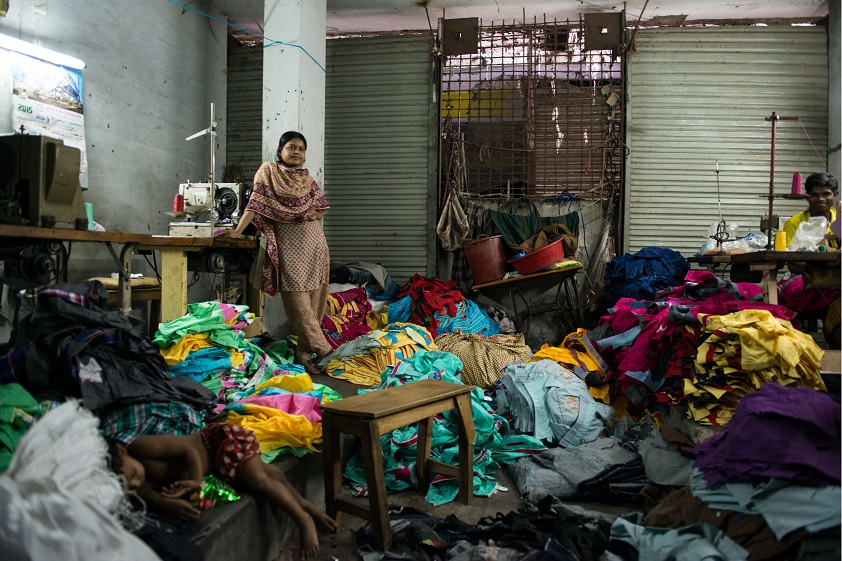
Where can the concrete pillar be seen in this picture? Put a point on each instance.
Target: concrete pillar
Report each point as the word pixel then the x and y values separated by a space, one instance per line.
pixel 294 78
pixel 293 96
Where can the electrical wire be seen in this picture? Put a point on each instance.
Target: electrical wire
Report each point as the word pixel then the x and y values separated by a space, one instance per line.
pixel 272 42
pixel 154 265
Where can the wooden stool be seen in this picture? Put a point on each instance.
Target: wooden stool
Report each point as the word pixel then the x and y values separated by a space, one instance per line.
pixel 370 415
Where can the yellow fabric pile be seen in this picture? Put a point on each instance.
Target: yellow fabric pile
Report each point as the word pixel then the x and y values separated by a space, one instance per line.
pixel 745 350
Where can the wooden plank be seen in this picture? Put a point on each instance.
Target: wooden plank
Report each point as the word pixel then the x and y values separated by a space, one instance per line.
pixel 173 284
pixel 65 234
pixel 390 401
pixel 158 242
pixel 565 272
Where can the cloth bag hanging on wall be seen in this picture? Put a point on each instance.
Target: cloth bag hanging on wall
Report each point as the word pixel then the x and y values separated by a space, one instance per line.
pixel 453 226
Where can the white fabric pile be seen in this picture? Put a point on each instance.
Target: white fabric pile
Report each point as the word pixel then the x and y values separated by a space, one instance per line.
pixel 59 499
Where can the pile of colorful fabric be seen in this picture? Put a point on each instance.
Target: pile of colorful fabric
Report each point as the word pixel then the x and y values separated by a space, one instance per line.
pixel 766 486
pixel 440 307
pixel 704 343
pixel 345 316
pixel 362 360
pixel 257 387
pixel 484 357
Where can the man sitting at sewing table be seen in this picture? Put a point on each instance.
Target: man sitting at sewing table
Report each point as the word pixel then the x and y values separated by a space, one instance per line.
pixel 822 190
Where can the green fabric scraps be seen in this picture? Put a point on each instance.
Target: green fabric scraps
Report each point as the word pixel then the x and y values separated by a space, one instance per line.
pixel 18 411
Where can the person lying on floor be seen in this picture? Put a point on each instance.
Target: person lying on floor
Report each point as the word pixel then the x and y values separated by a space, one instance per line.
pixel 165 469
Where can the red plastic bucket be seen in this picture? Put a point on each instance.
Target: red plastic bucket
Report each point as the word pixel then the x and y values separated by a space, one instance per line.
pixel 539 259
pixel 486 259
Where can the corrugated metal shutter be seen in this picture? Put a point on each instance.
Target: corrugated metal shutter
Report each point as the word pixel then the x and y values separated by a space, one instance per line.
pixel 245 111
pixel 380 153
pixel 701 95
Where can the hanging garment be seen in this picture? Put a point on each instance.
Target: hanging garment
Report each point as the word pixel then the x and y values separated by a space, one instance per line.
pixel 517 228
pixel 453 226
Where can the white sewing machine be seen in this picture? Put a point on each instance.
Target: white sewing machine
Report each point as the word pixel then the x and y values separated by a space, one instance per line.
pixel 204 212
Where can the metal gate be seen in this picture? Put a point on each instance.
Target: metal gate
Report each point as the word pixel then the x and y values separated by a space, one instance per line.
pixel 380 153
pixel 698 134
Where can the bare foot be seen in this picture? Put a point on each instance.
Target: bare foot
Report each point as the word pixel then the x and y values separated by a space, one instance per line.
pixel 309 367
pixel 323 522
pixel 309 539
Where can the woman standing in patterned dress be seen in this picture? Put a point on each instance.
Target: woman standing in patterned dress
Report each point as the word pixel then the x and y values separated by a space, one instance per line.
pixel 287 205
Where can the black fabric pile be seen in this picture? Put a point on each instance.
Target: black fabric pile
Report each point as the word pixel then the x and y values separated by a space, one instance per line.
pixel 547 532
pixel 71 348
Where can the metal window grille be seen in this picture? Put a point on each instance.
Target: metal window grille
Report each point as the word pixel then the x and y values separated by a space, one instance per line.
pixel 530 114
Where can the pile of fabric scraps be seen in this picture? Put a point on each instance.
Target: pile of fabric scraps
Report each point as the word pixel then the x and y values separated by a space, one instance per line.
pixel 282 412
pixel 551 403
pixel 551 530
pixel 345 316
pixel 483 357
pixel 578 354
pixel 739 353
pixel 494 445
pixel 377 282
pixel 18 412
pixel 602 470
pixel 71 348
pixel 440 307
pixel 652 348
pixel 362 360
pixel 766 486
pixel 643 275
pixel 257 387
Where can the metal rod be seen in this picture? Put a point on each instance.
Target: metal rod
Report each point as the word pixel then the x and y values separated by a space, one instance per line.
pixel 774 119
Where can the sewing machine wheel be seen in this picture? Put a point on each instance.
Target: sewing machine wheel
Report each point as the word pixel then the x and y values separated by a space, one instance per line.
pixel 225 202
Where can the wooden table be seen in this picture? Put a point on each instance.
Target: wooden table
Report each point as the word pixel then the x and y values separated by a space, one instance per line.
pixel 566 298
pixel 370 415
pixel 824 268
pixel 173 250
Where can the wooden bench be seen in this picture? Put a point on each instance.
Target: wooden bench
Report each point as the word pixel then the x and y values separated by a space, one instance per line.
pixel 370 415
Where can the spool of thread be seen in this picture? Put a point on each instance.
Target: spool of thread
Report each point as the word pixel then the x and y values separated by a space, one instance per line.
pixel 178 203
pixel 796 184
pixel 89 212
pixel 780 241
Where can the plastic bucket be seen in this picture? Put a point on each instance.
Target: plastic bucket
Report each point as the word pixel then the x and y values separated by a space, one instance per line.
pixel 486 259
pixel 539 259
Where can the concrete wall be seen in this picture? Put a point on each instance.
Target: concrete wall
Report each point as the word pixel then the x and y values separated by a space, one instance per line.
pixel 152 72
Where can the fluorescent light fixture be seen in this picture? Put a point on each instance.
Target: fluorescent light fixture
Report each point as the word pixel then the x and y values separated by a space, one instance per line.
pixel 12 44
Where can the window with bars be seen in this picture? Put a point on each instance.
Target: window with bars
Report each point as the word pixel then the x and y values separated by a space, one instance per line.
pixel 533 113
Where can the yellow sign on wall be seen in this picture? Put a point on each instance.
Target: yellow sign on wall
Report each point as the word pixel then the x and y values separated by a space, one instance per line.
pixel 462 105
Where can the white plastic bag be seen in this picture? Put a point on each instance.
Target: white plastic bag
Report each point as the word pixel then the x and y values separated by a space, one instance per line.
pixel 809 234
